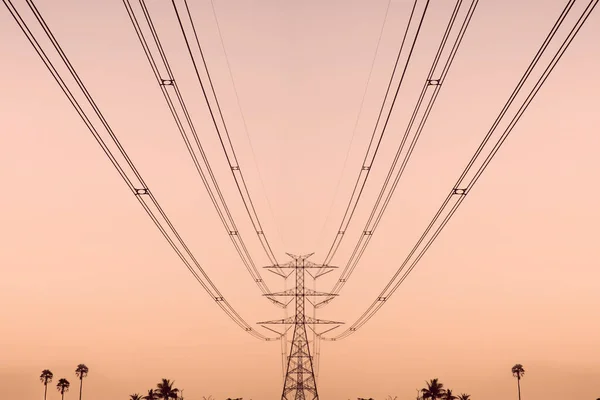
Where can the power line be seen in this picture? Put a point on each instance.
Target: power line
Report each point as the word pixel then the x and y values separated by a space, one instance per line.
pixel 246 131
pixel 375 141
pixel 129 173
pixel 431 88
pixel 468 179
pixel 360 110
pixel 226 143
pixel 166 79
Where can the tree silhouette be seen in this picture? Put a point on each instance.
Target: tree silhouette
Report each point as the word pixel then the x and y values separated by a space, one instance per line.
pixel 419 397
pixel 448 395
pixel 46 378
pixel 135 396
pixel 518 371
pixel 434 390
pixel 81 373
pixel 464 396
pixel 166 391
pixel 151 395
pixel 63 386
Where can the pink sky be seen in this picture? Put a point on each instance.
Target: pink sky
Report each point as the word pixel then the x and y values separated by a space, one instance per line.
pixel 513 279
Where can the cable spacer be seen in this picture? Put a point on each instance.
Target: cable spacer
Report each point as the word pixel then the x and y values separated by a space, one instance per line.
pixel 143 191
pixel 434 82
pixel 460 192
pixel 167 82
pixel 219 299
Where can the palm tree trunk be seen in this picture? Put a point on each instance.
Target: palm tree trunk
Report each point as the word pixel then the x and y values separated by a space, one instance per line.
pixel 45 390
pixel 519 386
pixel 80 386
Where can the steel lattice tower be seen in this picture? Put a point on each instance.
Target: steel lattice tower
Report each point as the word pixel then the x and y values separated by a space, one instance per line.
pixel 299 382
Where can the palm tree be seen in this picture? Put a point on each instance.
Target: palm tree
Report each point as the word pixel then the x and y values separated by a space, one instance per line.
pixel 434 390
pixel 464 396
pixel 448 395
pixel 419 397
pixel 63 386
pixel 46 378
pixel 81 373
pixel 135 396
pixel 166 391
pixel 518 372
pixel 151 395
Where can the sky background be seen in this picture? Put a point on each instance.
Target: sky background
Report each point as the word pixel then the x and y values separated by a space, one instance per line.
pixel 86 278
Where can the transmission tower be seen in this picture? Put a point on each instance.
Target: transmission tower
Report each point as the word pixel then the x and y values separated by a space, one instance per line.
pixel 299 382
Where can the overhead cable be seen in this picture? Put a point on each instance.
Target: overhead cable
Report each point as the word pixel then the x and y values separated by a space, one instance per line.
pixel 224 137
pixel 476 166
pixel 124 165
pixel 168 85
pixel 430 90
pixel 376 137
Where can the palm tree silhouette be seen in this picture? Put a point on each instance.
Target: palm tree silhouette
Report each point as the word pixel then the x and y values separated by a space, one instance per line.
pixel 448 395
pixel 46 378
pixel 81 373
pixel 434 390
pixel 151 395
pixel 166 391
pixel 518 372
pixel 135 396
pixel 464 396
pixel 63 386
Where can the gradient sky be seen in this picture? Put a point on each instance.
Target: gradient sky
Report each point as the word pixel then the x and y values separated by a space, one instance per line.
pixel 513 278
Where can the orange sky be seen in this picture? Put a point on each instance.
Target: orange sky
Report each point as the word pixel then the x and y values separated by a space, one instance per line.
pixel 513 278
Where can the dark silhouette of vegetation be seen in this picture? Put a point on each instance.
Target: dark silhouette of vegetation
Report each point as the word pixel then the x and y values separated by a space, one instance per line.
pixel 448 395
pixel 434 390
pixel 46 378
pixel 151 395
pixel 135 396
pixel 63 386
pixel 81 372
pixel 518 371
pixel 166 391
